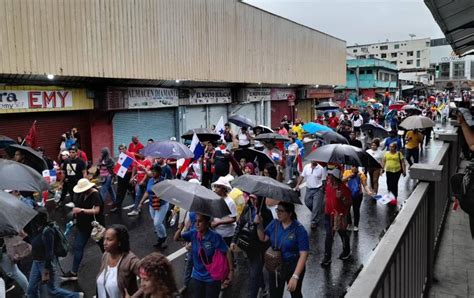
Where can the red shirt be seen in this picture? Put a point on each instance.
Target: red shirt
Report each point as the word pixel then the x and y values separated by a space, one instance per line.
pixel 135 148
pixel 333 122
pixel 335 205
pixel 141 173
pixel 82 155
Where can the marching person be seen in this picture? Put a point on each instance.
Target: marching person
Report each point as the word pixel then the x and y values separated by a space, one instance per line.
pixel 394 165
pixel 225 226
pixel 374 173
pixel 106 173
pixel 123 184
pixel 413 140
pixel 74 169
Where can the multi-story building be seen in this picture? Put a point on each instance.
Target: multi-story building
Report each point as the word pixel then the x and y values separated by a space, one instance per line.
pixel 407 55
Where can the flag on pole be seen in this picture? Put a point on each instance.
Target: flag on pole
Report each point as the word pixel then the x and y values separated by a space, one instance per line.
pixel 220 128
pixel 123 163
pixel 50 176
pixel 198 150
pixel 30 138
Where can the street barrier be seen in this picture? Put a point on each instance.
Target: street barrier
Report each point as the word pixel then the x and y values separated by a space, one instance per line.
pixel 402 264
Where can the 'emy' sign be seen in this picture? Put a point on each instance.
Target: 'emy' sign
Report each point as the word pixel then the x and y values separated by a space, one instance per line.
pixel 35 99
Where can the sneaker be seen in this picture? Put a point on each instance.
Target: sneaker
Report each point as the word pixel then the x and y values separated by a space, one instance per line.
pixel 133 213
pixel 345 255
pixel 350 228
pixel 81 294
pixel 113 210
pixel 9 288
pixel 326 262
pixel 69 276
pixel 356 229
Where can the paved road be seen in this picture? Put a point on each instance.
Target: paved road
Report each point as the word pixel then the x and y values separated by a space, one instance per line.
pixel 318 282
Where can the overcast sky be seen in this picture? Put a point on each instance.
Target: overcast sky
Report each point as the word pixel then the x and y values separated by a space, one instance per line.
pixel 359 21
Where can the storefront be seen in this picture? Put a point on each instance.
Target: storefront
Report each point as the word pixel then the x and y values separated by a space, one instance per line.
pixel 308 99
pixel 151 114
pixel 282 103
pixel 55 110
pixel 252 103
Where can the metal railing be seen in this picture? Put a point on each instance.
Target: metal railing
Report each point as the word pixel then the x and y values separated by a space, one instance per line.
pixel 402 263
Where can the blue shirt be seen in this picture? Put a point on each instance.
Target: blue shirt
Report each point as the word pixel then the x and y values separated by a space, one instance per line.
pixel 391 140
pixel 291 241
pixel 210 242
pixel 166 172
pixel 149 188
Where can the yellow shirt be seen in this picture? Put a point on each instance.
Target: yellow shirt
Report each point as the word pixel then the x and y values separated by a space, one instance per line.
pixel 347 173
pixel 413 139
pixel 298 129
pixel 393 162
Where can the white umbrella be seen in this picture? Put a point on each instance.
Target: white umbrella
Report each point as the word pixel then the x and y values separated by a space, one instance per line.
pixel 417 122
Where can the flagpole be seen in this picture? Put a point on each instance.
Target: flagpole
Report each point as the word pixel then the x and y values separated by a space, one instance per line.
pixel 24 139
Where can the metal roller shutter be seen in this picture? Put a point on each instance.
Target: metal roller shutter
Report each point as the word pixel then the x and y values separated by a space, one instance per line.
pixel 195 117
pixel 305 110
pixel 215 113
pixel 248 110
pixel 278 110
pixel 149 124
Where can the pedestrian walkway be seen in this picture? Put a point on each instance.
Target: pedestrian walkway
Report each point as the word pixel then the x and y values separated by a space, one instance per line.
pixel 454 267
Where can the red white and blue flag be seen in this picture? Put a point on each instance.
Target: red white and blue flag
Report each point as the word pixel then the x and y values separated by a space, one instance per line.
pixel 50 176
pixel 198 150
pixel 123 163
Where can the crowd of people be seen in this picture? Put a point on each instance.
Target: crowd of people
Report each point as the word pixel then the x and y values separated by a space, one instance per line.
pixel 257 226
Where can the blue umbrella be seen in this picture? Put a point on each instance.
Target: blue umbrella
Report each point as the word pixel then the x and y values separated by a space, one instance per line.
pixel 312 127
pixel 167 149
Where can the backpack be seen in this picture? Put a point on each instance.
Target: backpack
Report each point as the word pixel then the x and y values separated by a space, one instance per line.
pixel 354 185
pixel 61 244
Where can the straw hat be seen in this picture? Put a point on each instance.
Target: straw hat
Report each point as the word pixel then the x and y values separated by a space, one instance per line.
pixel 83 185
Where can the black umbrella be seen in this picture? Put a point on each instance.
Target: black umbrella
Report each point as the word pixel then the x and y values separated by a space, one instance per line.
pixel 463 188
pixel 411 109
pixel 467 115
pixel 331 137
pixel 264 129
pixel 17 176
pixel 253 155
pixel 192 197
pixel 327 105
pixel 377 131
pixel 241 121
pixel 204 134
pixel 266 187
pixel 32 157
pixel 167 149
pixel 343 154
pixel 6 141
pixel 14 215
pixel 271 137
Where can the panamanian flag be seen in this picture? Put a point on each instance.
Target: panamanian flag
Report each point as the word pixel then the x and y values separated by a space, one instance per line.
pixel 50 176
pixel 198 151
pixel 123 163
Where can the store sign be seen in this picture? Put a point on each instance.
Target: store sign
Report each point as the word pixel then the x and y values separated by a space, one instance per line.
pixel 257 94
pixel 201 96
pixel 283 94
pixel 149 98
pixel 319 93
pixel 34 99
pixel 452 57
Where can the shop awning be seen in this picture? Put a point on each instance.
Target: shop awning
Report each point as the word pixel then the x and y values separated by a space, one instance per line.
pixel 455 18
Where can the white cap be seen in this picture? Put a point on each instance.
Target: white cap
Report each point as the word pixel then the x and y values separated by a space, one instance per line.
pixel 65 152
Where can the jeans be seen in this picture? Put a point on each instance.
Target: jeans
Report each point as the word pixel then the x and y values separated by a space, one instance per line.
pixel 201 289
pixel 392 182
pixel 330 238
pixel 277 280
pixel 356 203
pixel 158 219
pixel 108 188
pixel 314 200
pixel 12 271
pixel 415 153
pixel 188 268
pixel 139 189
pixel 255 273
pixel 36 287
pixel 291 165
pixel 79 244
pixel 123 184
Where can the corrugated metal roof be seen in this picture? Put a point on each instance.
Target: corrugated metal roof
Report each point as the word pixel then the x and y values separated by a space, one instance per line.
pixel 456 20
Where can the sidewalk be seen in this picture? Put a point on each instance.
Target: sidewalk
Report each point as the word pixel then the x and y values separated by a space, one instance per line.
pixel 454 267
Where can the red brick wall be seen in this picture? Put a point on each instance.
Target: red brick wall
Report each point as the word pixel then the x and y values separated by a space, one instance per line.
pixel 101 133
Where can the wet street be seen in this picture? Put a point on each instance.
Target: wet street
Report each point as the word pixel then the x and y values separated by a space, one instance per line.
pixel 318 282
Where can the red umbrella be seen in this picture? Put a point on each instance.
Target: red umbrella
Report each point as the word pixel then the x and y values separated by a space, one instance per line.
pixel 431 98
pixel 397 106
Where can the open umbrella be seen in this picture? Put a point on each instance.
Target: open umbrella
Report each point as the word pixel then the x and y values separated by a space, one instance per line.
pixel 14 215
pixel 241 121
pixel 463 189
pixel 167 149
pixel 312 127
pixel 411 109
pixel 6 141
pixel 264 129
pixel 271 137
pixel 343 154
pixel 327 105
pixel 192 197
pixel 397 106
pixel 17 176
pixel 377 131
pixel 266 187
pixel 204 134
pixel 417 122
pixel 252 155
pixel 32 157
pixel 331 137
pixel 467 115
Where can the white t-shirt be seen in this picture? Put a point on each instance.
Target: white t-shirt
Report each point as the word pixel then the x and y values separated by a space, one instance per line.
pixel 257 144
pixel 376 154
pixel 110 283
pixel 313 176
pixel 357 121
pixel 292 149
pixel 243 139
pixel 227 230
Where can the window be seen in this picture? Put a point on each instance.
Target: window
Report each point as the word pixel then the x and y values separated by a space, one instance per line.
pixel 371 56
pixel 383 56
pixel 444 70
pixel 369 71
pixel 394 62
pixel 418 63
pixel 418 53
pixel 409 62
pixel 396 46
pixel 393 78
pixel 401 54
pixel 361 72
pixel 362 57
pixel 386 77
pixel 393 55
pixel 354 51
pixel 458 70
pixel 365 50
pixel 410 53
pixel 427 43
pixel 351 72
pixel 383 48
